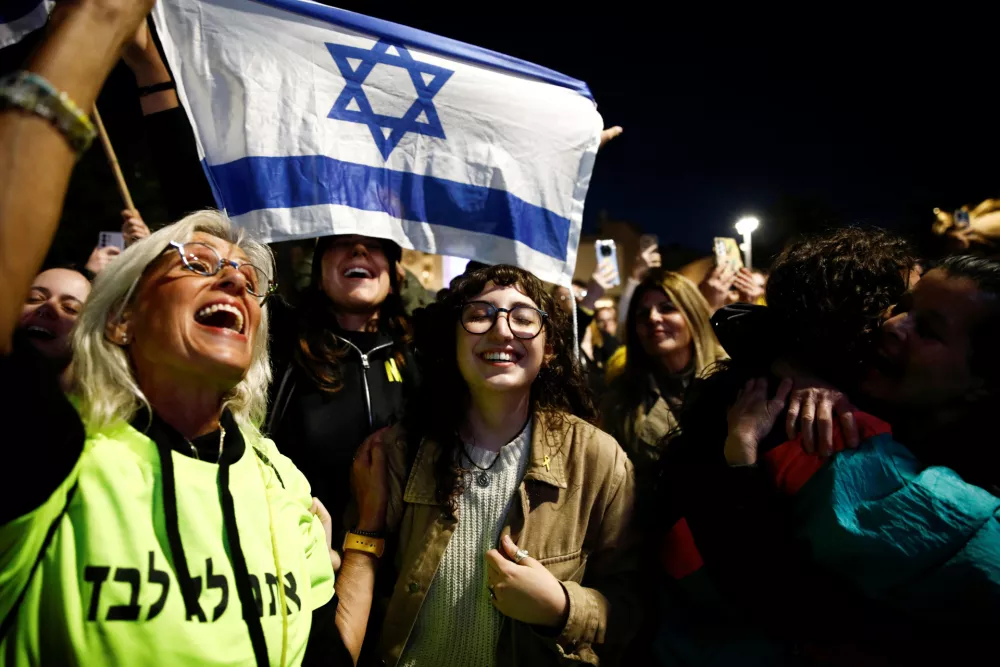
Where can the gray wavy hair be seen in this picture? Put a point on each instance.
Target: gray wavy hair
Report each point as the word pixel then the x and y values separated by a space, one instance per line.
pixel 102 372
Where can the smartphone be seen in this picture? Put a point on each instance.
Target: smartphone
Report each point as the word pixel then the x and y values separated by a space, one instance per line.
pixel 727 251
pixel 115 239
pixel 607 254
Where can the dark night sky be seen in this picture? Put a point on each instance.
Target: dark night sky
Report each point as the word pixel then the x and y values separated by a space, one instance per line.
pixel 839 118
pixel 805 120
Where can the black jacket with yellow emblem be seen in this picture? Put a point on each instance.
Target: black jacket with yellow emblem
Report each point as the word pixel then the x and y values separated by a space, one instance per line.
pixel 321 430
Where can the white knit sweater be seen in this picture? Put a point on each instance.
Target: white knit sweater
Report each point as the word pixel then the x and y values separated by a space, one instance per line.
pixel 457 625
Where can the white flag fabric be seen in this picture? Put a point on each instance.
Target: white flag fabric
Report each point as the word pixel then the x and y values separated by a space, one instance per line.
pixel 19 17
pixel 312 121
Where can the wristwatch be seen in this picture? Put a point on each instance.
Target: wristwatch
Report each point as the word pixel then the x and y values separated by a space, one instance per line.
pixel 369 545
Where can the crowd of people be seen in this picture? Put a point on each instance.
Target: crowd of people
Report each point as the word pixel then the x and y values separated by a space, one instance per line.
pixel 210 472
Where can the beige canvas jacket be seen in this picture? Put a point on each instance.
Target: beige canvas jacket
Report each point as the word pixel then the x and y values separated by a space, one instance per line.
pixel 574 514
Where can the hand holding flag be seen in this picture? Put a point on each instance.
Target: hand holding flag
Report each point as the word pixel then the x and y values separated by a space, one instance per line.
pixel 610 133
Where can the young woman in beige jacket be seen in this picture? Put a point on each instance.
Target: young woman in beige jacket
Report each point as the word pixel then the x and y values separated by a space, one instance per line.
pixel 510 513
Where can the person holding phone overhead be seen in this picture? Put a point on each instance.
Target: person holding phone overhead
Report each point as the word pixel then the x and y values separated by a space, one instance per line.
pixel 729 281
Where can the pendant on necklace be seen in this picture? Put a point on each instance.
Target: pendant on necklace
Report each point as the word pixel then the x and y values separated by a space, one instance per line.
pixel 483 479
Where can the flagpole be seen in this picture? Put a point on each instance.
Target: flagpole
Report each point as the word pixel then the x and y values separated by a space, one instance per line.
pixel 109 151
pixel 576 334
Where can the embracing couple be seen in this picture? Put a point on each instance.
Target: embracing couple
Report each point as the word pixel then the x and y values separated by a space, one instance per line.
pixel 854 536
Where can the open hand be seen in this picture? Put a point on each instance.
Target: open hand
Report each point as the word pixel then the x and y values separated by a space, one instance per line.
pixel 370 483
pixel 525 591
pixel 751 418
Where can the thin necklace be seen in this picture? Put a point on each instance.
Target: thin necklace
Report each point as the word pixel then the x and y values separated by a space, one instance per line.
pixel 483 478
pixel 222 437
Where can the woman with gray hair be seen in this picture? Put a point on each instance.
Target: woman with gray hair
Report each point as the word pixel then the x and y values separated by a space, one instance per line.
pixel 175 532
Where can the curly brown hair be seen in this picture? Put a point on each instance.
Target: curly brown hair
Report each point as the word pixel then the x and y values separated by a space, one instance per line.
pixel 441 406
pixel 827 296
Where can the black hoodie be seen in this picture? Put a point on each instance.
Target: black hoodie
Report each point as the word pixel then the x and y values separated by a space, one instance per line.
pixel 321 430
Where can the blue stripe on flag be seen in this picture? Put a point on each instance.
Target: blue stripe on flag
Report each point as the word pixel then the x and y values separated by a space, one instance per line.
pixel 15 9
pixel 425 41
pixel 254 183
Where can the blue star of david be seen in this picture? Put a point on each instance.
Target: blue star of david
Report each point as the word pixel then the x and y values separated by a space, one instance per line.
pixel 421 108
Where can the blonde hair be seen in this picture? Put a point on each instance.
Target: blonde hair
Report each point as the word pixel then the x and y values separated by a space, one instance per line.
pixel 690 303
pixel 102 372
pixel 629 372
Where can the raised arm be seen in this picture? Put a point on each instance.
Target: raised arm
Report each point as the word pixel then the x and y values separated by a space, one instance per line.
pixel 168 132
pixel 647 258
pixel 83 43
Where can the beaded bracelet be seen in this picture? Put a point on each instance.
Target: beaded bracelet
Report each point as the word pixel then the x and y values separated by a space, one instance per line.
pixel 32 93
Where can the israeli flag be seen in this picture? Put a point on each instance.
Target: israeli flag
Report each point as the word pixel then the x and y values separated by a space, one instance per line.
pixel 313 121
pixel 19 17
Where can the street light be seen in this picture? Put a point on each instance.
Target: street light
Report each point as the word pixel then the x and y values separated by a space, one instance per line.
pixel 746 226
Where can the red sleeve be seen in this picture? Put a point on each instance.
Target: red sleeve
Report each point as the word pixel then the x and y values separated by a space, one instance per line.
pixel 789 465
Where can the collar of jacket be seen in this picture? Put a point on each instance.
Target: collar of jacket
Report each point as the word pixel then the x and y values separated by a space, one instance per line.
pixel 547 463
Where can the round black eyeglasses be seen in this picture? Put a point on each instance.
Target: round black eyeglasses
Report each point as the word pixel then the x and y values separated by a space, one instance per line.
pixel 525 322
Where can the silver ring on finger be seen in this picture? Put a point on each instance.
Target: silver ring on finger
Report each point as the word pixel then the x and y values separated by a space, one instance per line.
pixel 520 555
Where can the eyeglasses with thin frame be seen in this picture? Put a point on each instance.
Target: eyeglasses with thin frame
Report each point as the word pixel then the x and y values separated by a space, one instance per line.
pixel 205 260
pixel 525 322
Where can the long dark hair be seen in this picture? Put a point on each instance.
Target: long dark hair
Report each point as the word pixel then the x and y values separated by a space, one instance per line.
pixel 319 351
pixel 439 409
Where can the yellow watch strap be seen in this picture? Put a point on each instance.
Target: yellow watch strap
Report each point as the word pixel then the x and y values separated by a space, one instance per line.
pixel 369 545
